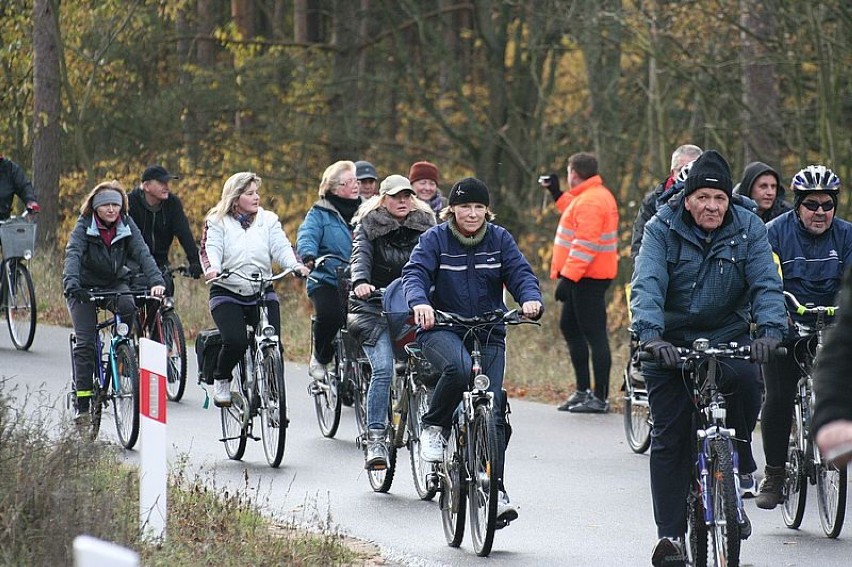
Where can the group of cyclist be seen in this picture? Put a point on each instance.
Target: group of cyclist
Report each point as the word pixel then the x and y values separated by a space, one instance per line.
pixel 706 266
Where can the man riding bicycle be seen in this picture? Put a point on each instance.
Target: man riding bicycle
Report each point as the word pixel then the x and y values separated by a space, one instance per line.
pixel 812 248
pixel 704 270
pixel 461 266
pixel 13 181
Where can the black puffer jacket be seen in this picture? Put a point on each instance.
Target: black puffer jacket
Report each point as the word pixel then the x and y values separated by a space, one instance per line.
pixel 381 248
pixel 13 181
pixel 750 174
pixel 90 263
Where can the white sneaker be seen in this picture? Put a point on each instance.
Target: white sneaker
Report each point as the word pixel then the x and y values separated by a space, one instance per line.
pixel 506 511
pixel 432 444
pixel 316 370
pixel 222 393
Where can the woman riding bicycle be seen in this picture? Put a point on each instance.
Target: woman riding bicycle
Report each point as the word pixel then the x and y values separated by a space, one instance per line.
pixel 103 242
pixel 704 270
pixel 327 229
pixel 386 231
pixel 240 236
pixel 461 266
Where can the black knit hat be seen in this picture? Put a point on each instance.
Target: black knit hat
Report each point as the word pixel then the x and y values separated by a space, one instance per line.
pixel 469 190
pixel 709 170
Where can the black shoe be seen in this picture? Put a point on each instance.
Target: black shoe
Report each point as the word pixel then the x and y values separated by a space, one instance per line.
pixel 577 397
pixel 745 527
pixel 668 553
pixel 593 404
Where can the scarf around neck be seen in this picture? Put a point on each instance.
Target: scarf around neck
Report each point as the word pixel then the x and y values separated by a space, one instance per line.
pixel 468 241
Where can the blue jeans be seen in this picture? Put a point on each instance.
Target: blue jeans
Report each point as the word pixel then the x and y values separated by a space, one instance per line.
pixel 447 353
pixel 378 396
pixel 673 436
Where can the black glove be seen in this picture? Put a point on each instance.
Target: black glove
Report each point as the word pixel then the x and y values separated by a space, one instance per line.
pixel 81 295
pixel 762 348
pixel 308 261
pixel 563 289
pixel 664 351
pixel 195 270
pixel 553 186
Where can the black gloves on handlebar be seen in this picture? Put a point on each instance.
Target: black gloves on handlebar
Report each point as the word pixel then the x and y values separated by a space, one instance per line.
pixel 563 289
pixel 664 351
pixel 762 348
pixel 308 261
pixel 194 270
pixel 80 295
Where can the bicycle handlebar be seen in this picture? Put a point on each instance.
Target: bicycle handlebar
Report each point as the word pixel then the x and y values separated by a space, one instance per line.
pixel 724 350
pixel 829 310
pixel 253 278
pixel 511 317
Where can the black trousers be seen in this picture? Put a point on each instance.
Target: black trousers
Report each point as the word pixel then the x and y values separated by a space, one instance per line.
pixel 231 319
pixel 329 317
pixel 583 325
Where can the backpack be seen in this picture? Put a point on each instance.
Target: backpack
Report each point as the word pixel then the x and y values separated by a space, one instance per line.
pixel 208 343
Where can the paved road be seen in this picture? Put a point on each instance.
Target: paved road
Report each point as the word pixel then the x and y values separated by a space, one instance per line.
pixel 584 497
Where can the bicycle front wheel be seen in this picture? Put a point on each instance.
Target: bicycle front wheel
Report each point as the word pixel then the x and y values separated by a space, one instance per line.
pixel 418 405
pixel 726 526
pixel 273 409
pixel 362 372
pixel 831 497
pixel 327 399
pixel 20 304
pixel 382 479
pixel 796 480
pixel 637 414
pixel 171 335
pixel 234 418
pixel 482 493
pixel 453 491
pixel 696 527
pixel 126 394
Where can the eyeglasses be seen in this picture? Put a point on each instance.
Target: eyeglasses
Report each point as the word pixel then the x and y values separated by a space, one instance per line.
pixel 815 205
pixel 347 181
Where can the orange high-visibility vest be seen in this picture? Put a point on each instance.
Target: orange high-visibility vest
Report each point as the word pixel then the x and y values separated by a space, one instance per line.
pixel 586 242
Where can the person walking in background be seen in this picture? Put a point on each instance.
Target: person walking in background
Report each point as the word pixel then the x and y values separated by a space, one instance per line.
pixel 13 181
pixel 387 228
pixel 424 178
pixel 680 157
pixel 585 261
pixel 367 179
pixel 763 185
pixel 812 248
pixel 104 240
pixel 327 229
pixel 160 217
pixel 240 236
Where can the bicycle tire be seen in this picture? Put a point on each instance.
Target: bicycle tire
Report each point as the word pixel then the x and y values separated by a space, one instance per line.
pixel 831 497
pixel 696 528
pixel 126 394
pixel 21 308
pixel 418 405
pixel 637 415
pixel 382 479
pixel 173 338
pixel 327 397
pixel 796 480
pixel 96 409
pixel 233 418
pixel 726 527
pixel 482 492
pixel 273 408
pixel 360 379
pixel 453 491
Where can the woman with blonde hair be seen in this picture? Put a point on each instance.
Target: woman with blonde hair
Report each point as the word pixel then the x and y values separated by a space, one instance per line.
pixel 327 229
pixel 240 236
pixel 104 241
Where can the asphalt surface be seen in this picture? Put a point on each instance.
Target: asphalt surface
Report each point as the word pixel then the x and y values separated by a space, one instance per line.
pixel 583 495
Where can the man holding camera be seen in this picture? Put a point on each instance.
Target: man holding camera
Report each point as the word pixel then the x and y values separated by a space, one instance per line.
pixel 585 261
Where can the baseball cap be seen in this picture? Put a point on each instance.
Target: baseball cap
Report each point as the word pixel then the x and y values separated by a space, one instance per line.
pixel 394 184
pixel 365 170
pixel 159 173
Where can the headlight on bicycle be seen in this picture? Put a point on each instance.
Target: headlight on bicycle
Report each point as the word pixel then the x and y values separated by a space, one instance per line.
pixel 481 382
pixel 268 332
pixel 168 302
pixel 122 329
pixel 700 345
pixel 28 254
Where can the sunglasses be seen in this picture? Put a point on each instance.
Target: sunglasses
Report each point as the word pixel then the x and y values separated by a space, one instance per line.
pixel 815 206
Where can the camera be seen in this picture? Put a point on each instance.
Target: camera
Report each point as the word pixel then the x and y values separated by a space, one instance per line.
pixel 544 179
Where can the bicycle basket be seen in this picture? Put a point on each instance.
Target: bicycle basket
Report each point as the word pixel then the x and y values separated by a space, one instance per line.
pixel 208 343
pixel 17 238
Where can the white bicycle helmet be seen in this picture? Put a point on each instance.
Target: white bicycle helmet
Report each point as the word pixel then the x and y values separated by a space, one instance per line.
pixel 816 178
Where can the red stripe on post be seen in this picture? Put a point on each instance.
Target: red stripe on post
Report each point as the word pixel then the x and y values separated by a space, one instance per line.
pixel 152 395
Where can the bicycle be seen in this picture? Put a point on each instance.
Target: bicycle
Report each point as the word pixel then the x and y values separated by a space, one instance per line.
pixel 17 293
pixel 116 376
pixel 349 367
pixel 637 412
pixel 805 463
pixel 257 384
pixel 470 456
pixel 714 501
pixel 162 324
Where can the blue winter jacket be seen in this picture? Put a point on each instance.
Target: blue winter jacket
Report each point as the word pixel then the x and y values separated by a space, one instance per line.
pixel 682 291
pixel 468 280
pixel 324 232
pixel 812 266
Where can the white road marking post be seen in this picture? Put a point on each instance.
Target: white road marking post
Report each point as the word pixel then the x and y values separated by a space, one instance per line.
pixel 153 474
pixel 93 552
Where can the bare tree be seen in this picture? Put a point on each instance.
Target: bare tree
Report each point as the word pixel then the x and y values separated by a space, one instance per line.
pixel 47 154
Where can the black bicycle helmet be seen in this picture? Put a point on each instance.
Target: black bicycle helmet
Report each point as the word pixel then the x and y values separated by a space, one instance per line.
pixel 816 178
pixel 684 172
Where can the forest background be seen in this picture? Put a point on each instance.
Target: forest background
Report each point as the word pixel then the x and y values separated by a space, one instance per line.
pixel 499 89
